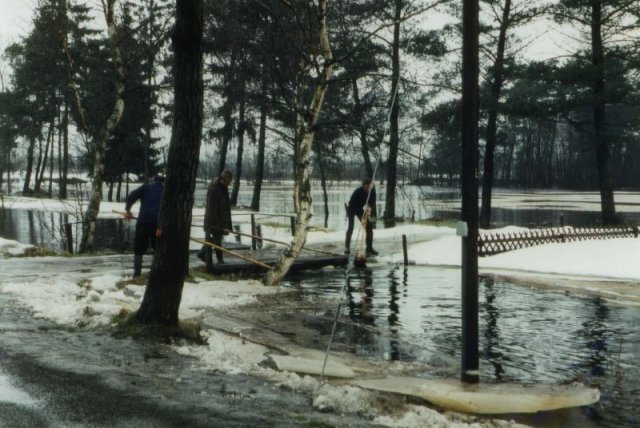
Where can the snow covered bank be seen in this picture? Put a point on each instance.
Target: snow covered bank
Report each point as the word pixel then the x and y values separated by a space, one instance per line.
pixel 101 295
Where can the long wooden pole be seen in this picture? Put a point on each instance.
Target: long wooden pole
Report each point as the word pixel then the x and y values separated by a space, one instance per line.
pixel 275 241
pixel 231 253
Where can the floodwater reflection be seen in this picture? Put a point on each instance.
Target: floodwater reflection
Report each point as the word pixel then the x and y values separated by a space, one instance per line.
pixel 47 229
pixel 527 335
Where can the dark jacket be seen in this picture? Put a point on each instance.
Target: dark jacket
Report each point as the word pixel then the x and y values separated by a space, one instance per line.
pixel 358 201
pixel 149 196
pixel 217 213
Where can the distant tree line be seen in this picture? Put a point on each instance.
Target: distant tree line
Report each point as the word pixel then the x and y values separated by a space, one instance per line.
pixel 392 107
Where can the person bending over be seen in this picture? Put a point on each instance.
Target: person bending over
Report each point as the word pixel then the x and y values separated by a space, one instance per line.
pixel 362 204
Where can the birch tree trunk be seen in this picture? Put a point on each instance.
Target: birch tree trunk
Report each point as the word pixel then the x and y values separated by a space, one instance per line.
pixel 102 134
pixel 280 269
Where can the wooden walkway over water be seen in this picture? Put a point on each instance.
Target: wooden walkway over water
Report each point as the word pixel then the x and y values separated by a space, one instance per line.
pixel 236 265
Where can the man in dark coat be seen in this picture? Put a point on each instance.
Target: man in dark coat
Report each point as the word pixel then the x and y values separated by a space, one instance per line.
pixel 217 215
pixel 363 200
pixel 149 196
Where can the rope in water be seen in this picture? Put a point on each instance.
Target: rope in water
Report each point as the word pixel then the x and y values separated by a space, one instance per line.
pixel 352 254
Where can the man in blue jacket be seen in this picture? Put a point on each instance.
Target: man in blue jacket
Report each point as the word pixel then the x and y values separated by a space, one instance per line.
pixel 149 196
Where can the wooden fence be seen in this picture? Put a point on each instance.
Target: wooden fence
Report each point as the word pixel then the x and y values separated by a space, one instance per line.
pixel 489 244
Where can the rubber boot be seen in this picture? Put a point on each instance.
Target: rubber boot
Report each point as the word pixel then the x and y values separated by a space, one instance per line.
pixel 137 265
pixel 219 256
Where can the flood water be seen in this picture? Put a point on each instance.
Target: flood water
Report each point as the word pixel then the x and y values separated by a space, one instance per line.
pixel 412 204
pixel 527 335
pixel 47 229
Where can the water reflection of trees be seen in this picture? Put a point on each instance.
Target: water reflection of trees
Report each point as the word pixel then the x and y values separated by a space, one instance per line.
pixel 46 229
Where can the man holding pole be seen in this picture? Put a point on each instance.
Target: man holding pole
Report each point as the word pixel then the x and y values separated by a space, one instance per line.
pixel 149 196
pixel 217 216
pixel 362 204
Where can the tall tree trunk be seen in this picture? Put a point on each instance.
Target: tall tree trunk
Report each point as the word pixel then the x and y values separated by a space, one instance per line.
pixel 494 99
pixel 241 131
pixel 103 133
pixel 39 166
pixel 362 130
pixel 605 180
pixel 392 161
pixel 150 69
pixel 44 156
pixel 170 265
pixel 280 269
pixel 227 133
pixel 119 189
pixel 323 184
pixel 29 168
pixel 262 137
pixel 227 117
pixel 9 187
pixel 51 162
pixel 110 191
pixel 65 151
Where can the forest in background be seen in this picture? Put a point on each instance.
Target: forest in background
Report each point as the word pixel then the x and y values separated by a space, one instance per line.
pixel 392 105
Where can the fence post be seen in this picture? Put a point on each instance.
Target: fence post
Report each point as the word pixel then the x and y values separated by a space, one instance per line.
pixel 236 227
pixel 293 225
pixel 404 250
pixel 253 232
pixel 68 232
pixel 635 231
pixel 561 219
pixel 259 234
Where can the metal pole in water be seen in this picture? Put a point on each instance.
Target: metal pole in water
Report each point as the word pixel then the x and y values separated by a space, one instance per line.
pixel 469 176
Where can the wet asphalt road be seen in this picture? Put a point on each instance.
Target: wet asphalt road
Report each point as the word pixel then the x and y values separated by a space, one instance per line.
pixel 80 378
pixel 90 380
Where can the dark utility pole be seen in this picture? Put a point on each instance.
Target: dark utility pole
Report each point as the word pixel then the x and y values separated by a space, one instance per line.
pixel 470 106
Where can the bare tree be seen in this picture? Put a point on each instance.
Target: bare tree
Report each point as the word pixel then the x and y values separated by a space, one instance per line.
pixel 101 134
pixel 303 185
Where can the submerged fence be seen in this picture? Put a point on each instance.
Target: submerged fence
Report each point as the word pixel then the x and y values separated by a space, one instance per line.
pixel 489 244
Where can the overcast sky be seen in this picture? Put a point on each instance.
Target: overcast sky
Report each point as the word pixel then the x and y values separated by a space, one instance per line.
pixel 15 19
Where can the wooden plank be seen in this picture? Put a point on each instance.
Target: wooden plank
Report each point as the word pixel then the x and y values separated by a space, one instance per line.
pixel 301 263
